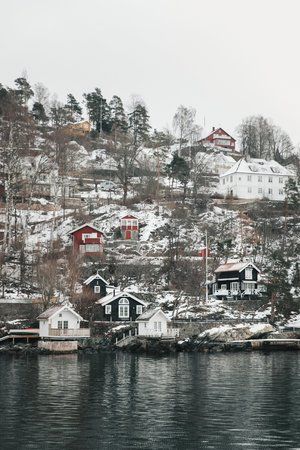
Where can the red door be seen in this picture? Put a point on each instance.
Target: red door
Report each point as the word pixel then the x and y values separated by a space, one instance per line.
pixel 128 234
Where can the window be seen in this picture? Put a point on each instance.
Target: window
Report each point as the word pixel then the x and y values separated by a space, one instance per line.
pixel 231 178
pixel 59 315
pixel 270 191
pixel 259 178
pixel 248 273
pixel 249 190
pixel 270 179
pixel 59 324
pixel 234 287
pixel 280 180
pixel 124 308
pixel 92 248
pixel 107 309
pixel 139 309
pixel 223 287
pixel 249 178
pixel 155 326
pixel 280 191
pixel 159 326
pixel 97 289
pixel 66 324
pixel 89 236
pixel 260 190
pixel 223 180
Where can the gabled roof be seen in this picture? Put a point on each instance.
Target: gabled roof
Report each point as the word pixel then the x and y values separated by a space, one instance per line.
pixel 111 297
pixel 49 313
pixel 86 225
pixel 235 266
pixel 215 131
pixel 257 166
pixel 129 216
pixel 147 315
pixel 95 277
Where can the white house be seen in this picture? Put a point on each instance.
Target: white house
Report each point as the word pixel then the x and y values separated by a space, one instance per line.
pixel 154 322
pixel 255 179
pixel 61 321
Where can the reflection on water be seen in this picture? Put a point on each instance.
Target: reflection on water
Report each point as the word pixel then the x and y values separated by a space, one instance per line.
pixel 122 401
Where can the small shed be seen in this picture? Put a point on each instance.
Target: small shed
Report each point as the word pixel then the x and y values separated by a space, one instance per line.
pixel 95 285
pixel 153 322
pixel 87 240
pixel 130 227
pixel 61 321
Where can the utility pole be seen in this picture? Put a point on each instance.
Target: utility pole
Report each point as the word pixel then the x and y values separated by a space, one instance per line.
pixel 206 271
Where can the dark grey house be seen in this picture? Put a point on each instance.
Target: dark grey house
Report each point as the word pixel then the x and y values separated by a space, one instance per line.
pixel 120 306
pixel 236 280
pixel 96 286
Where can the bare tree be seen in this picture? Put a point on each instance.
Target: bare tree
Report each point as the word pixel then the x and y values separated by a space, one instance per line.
pixel 183 123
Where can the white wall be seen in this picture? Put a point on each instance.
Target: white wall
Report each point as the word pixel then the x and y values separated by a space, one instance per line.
pixel 248 186
pixel 73 322
pixel 149 329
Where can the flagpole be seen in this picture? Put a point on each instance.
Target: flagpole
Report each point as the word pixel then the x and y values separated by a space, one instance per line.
pixel 206 253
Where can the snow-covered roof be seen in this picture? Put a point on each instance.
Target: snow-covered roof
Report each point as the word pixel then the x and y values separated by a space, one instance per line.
pixel 215 131
pixel 256 165
pixel 235 266
pixel 114 296
pixel 55 310
pixel 128 216
pixel 86 225
pixel 95 277
pixel 147 315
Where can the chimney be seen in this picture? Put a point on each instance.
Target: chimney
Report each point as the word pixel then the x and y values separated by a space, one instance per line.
pixel 213 128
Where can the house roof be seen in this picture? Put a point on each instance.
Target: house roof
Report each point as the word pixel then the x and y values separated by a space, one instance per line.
pixel 147 315
pixel 129 216
pixel 215 131
pixel 111 297
pixel 55 310
pixel 86 225
pixel 235 266
pixel 259 166
pixel 95 277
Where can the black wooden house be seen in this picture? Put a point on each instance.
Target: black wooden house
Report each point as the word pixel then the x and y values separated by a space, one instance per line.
pixel 95 286
pixel 236 280
pixel 120 306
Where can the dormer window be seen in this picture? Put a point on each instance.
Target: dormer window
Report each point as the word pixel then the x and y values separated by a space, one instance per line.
pixel 248 273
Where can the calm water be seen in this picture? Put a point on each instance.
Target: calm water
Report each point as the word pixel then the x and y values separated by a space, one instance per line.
pixel 122 401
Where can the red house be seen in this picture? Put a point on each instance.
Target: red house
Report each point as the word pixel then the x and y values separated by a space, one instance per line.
pixel 130 227
pixel 87 240
pixel 219 138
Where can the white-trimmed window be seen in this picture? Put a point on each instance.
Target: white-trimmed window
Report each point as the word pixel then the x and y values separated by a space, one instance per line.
pixel 92 248
pixel 280 191
pixel 248 273
pixel 260 178
pixel 249 189
pixel 107 309
pixel 66 324
pixel 249 178
pixel 89 236
pixel 139 309
pixel 231 178
pixel 124 308
pixel 59 324
pixel 270 191
pixel 234 286
pixel 223 287
pixel 280 180
pixel 97 289
pixel 260 190
pixel 157 326
pixel 270 179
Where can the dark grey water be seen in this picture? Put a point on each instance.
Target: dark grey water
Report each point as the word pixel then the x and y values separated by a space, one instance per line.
pixel 122 401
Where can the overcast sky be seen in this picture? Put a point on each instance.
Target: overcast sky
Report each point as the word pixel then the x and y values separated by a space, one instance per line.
pixel 228 59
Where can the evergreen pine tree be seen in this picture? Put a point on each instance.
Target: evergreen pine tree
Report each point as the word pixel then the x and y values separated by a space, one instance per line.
pixel 38 112
pixel 118 116
pixel 98 110
pixel 23 91
pixel 139 124
pixel 74 108
pixel 292 193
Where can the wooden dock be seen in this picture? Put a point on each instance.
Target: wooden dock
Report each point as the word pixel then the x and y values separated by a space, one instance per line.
pixel 271 344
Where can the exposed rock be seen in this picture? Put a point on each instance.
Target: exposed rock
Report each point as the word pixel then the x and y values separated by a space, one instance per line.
pixel 239 332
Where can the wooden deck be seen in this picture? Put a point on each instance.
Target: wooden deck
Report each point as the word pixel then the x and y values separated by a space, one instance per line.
pixel 257 344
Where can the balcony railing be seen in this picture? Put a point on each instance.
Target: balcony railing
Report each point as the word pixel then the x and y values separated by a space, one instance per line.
pixel 68 332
